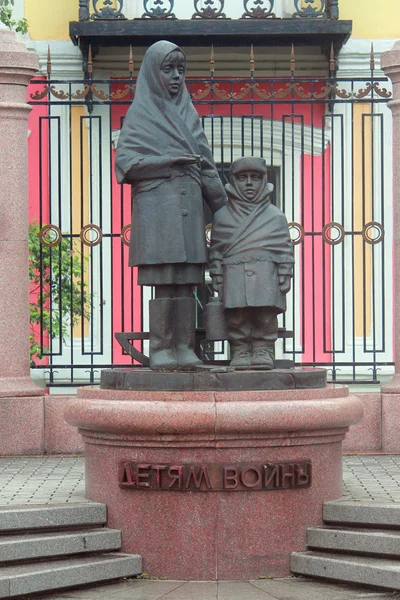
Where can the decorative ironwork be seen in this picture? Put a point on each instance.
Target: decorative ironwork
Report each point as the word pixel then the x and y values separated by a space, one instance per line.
pixel 372 58
pixel 332 59
pixel 300 91
pixel 292 60
pixel 126 234
pixel 342 93
pixel 373 233
pixel 331 229
pixel 159 10
pixel 208 234
pixel 83 10
pixel 104 9
pixel 131 66
pixel 258 10
pixel 252 60
pixel 202 93
pixel 311 9
pixel 60 94
pixel 50 236
pixel 333 9
pixel 84 235
pixel 296 232
pixel 210 11
pixel 212 60
pixel 261 93
pixel 253 125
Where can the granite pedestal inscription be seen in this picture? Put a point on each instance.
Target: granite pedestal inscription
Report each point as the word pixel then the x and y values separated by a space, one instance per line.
pixel 215 477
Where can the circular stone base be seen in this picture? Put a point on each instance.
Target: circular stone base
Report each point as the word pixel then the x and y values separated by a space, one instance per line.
pixel 212 379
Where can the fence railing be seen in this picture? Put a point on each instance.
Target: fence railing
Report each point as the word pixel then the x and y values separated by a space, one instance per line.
pixel 327 143
pixel 208 9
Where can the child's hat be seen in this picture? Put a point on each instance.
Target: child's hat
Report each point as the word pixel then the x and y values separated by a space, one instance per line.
pixel 249 163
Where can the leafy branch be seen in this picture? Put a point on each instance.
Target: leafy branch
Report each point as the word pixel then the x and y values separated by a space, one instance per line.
pixel 59 295
pixel 6 17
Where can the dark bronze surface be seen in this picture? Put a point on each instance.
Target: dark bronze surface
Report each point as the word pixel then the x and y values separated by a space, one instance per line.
pixel 212 379
pixel 215 477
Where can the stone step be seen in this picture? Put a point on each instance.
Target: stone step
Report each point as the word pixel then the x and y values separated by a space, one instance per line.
pixel 17 580
pixel 49 516
pixel 44 545
pixel 377 572
pixel 373 541
pixel 362 513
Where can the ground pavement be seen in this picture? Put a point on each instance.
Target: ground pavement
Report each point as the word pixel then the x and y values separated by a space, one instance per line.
pixel 47 480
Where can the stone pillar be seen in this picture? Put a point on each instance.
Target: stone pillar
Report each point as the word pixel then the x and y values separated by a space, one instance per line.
pixel 21 404
pixel 390 63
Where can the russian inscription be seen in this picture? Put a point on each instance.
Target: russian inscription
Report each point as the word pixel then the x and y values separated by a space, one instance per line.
pixel 215 477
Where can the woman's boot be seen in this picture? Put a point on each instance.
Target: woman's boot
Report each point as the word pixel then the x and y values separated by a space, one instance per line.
pixel 185 333
pixel 162 354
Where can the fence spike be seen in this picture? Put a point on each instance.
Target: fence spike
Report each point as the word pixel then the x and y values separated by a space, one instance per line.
pixel 292 60
pixel 90 60
pixel 252 60
pixel 131 64
pixel 372 58
pixel 332 61
pixel 48 60
pixel 212 60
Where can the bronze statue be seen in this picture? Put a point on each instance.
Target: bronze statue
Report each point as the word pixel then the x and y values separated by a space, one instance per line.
pixel 251 262
pixel 164 154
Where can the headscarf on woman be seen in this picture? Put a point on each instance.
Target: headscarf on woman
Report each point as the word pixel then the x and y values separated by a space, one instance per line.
pixel 160 126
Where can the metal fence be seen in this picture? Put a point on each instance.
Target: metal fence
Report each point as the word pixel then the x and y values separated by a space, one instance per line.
pixel 327 142
pixel 208 9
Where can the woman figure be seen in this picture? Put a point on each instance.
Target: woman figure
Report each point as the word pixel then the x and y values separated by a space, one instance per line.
pixel 164 154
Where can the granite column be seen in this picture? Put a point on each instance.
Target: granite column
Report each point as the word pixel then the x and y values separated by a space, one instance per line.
pixel 21 402
pixel 390 63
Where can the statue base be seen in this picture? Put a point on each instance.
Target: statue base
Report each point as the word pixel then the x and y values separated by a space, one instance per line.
pixel 211 378
pixel 214 484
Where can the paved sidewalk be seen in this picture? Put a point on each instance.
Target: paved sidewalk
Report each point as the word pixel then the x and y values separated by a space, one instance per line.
pixel 291 588
pixel 47 480
pixel 55 480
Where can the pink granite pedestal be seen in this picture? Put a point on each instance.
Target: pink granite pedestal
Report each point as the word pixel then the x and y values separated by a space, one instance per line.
pixel 204 535
pixel 21 402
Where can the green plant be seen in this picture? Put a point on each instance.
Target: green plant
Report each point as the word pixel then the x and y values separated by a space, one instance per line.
pixel 6 13
pixel 59 296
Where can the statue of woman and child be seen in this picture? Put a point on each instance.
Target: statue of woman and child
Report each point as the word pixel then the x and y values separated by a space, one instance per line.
pixel 164 154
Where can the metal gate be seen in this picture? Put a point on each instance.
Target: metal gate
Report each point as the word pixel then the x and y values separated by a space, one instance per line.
pixel 327 142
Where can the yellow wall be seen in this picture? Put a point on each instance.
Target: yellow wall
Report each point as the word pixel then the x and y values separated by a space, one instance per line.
pixel 372 19
pixel 48 19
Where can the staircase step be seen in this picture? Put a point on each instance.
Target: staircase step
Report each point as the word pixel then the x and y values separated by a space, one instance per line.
pixel 42 545
pixel 377 572
pixel 362 513
pixel 19 518
pixel 55 575
pixel 373 541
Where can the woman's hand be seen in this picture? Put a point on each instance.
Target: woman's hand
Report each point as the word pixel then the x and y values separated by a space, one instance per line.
pixel 285 282
pixel 186 159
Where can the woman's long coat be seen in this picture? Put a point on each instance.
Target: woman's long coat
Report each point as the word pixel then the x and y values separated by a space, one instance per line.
pixel 167 200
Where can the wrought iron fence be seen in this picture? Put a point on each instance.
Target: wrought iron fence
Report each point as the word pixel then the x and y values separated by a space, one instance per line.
pixel 208 9
pixel 327 142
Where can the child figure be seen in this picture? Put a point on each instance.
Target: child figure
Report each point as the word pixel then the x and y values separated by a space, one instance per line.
pixel 251 264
